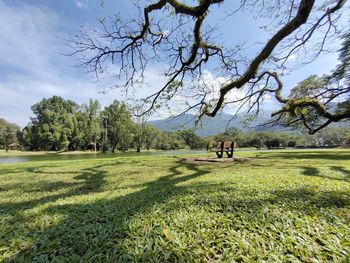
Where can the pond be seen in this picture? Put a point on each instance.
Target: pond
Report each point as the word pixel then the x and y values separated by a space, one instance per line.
pixel 80 156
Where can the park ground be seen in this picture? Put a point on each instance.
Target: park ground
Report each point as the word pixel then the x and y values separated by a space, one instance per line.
pixel 280 206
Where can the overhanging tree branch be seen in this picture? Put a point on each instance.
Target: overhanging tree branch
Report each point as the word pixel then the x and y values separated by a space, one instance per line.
pixel 185 44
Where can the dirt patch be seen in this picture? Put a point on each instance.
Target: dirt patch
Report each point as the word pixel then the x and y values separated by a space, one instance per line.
pixel 215 160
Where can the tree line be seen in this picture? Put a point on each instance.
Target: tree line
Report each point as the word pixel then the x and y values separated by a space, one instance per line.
pixel 328 137
pixel 59 124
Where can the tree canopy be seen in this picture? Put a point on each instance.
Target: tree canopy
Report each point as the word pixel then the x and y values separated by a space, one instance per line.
pixel 318 101
pixel 61 124
pixel 8 133
pixel 181 37
pixel 119 125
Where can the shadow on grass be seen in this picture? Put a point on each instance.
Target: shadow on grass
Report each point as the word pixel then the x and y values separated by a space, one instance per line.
pixel 96 231
pixel 312 155
pixel 90 180
pixel 310 171
pixel 313 171
pixel 105 217
pixel 342 170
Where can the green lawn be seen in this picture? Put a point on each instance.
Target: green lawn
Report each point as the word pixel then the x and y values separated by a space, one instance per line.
pixel 285 206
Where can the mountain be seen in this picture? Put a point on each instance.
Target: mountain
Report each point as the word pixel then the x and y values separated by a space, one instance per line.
pixel 218 124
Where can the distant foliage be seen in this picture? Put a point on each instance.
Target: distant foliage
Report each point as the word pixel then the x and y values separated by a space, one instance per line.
pixel 119 126
pixel 60 124
pixel 191 139
pixel 8 133
pixel 328 137
pixel 54 126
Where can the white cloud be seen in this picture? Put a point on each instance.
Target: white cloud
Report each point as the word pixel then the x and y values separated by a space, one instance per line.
pixel 18 93
pixel 292 57
pixel 31 69
pixel 27 38
pixel 80 4
pixel 213 85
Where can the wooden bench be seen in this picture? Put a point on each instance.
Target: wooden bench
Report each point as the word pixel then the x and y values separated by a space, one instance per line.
pixel 221 147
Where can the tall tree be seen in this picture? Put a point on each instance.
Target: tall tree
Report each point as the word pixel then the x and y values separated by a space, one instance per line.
pixel 118 125
pixel 53 124
pixel 233 132
pixel 191 139
pixel 151 134
pixel 94 129
pixel 140 129
pixel 79 134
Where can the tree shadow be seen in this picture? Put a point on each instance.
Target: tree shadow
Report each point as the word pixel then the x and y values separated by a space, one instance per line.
pixel 86 229
pixel 299 199
pixel 342 170
pixel 105 214
pixel 313 171
pixel 310 171
pixel 311 201
pixel 312 155
pixel 89 181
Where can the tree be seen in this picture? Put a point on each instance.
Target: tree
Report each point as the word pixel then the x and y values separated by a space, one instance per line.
pixel 151 134
pixel 53 125
pixel 94 129
pixel 183 38
pixel 140 130
pixel 191 139
pixel 316 102
pixel 170 141
pixel 10 136
pixel 329 136
pixel 347 138
pixel 79 135
pixel 256 142
pixel 119 125
pixel 233 132
pixel 8 133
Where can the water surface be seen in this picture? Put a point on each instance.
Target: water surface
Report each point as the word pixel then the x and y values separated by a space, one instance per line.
pixel 56 157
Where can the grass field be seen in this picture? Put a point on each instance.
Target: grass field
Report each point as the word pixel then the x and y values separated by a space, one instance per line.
pixel 285 206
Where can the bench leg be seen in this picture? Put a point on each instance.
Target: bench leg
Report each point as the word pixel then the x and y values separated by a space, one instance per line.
pixel 230 153
pixel 219 154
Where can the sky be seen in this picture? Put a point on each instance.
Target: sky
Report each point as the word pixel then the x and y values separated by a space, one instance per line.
pixel 32 66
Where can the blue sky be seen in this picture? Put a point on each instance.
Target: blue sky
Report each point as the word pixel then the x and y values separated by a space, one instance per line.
pixel 32 67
